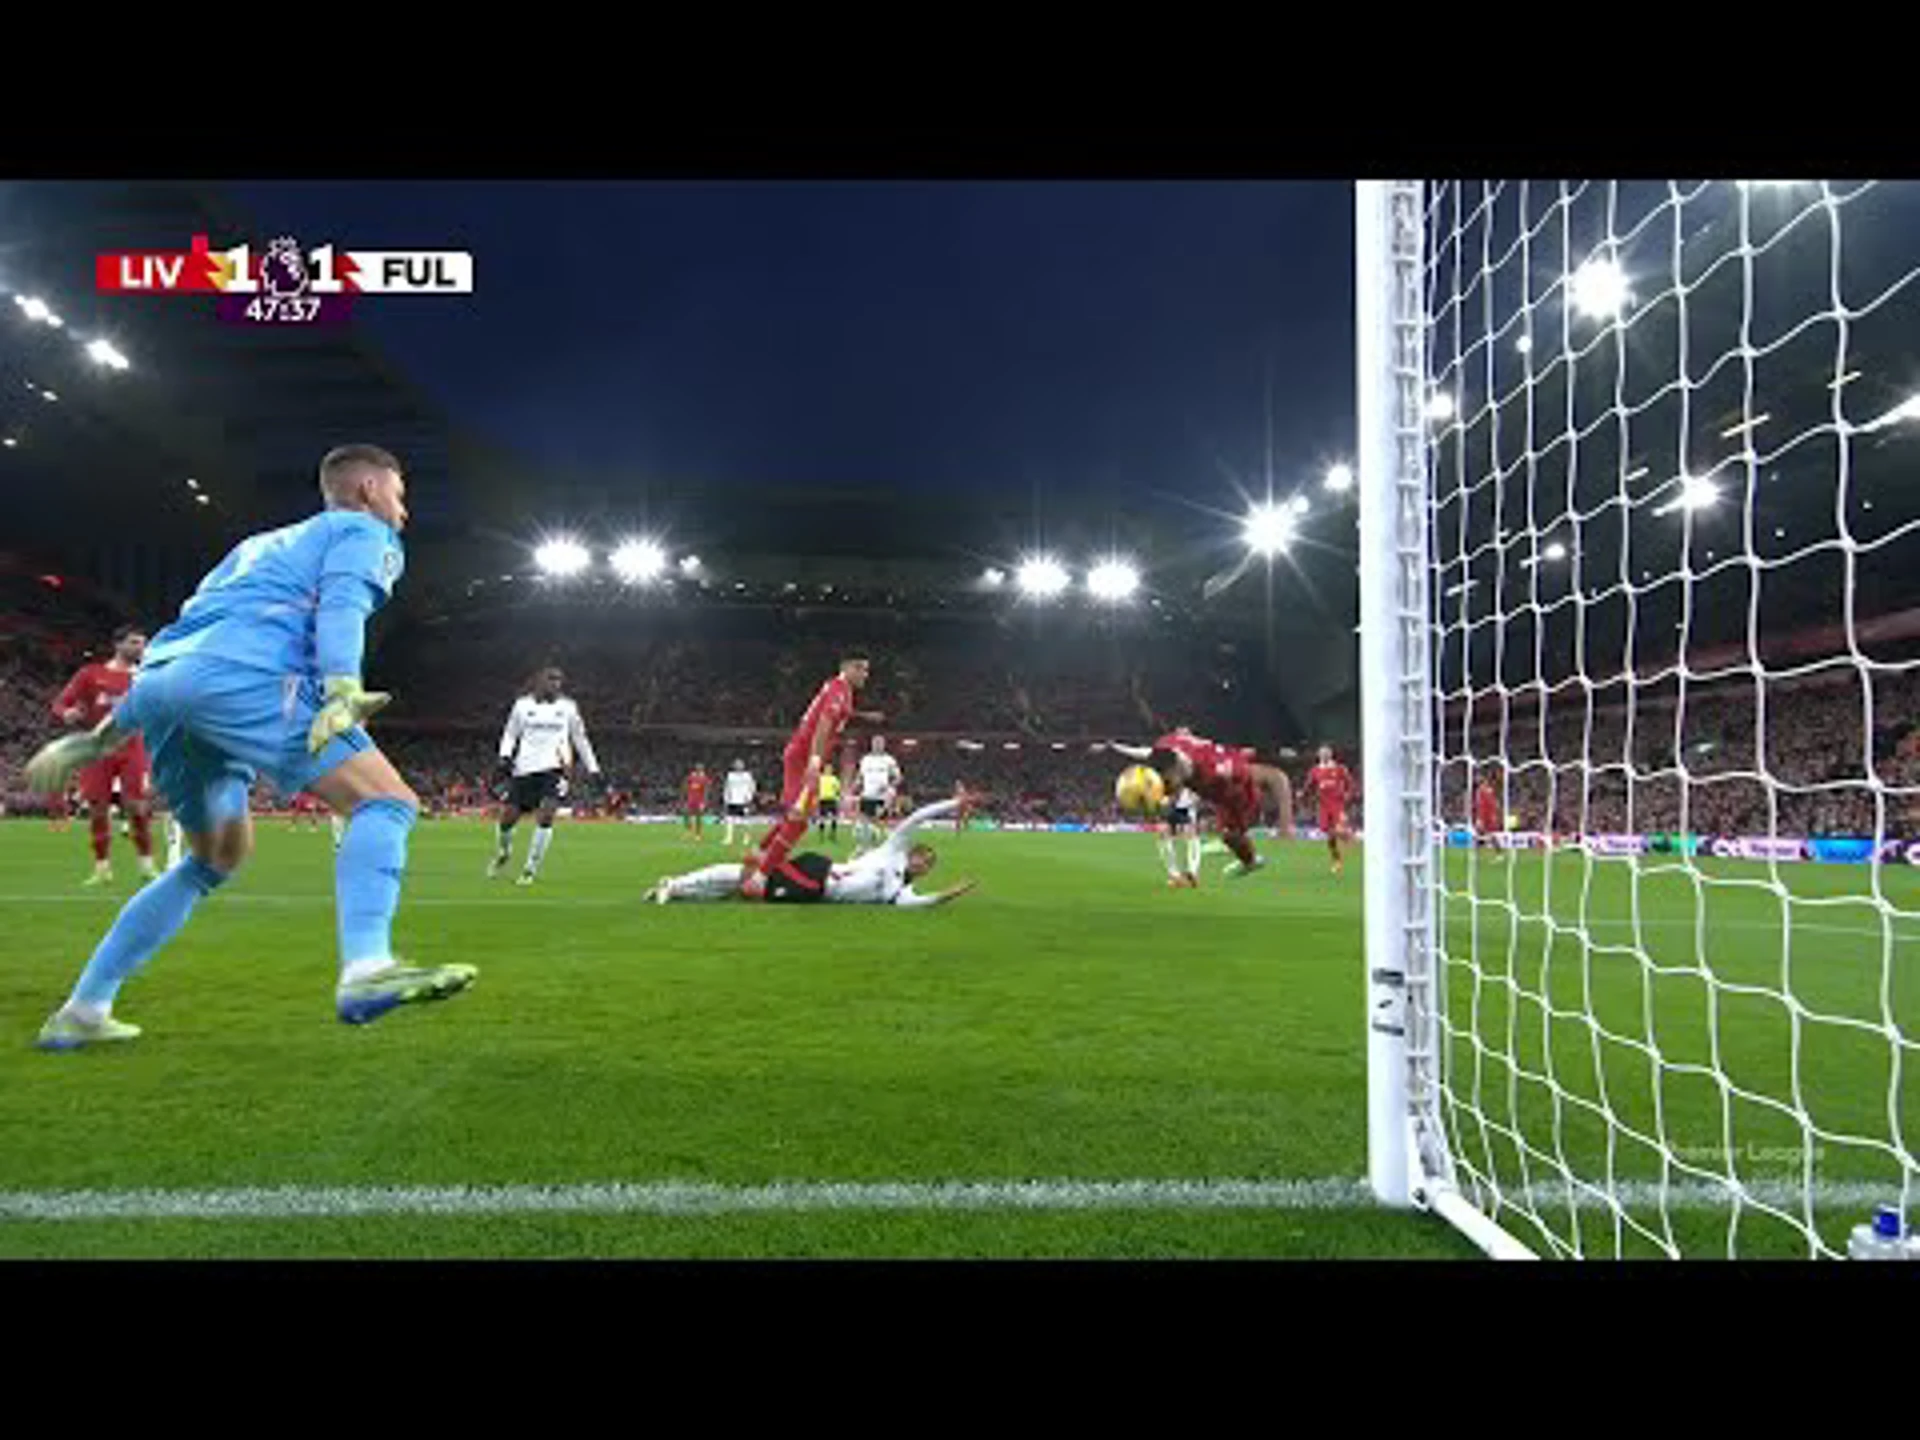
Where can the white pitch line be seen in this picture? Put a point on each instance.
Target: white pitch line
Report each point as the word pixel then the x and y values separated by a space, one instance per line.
pixel 682 1198
pixel 675 1198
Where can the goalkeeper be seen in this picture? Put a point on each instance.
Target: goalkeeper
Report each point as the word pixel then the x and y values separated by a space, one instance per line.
pixel 261 675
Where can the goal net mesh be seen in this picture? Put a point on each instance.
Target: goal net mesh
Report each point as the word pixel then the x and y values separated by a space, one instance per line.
pixel 1675 535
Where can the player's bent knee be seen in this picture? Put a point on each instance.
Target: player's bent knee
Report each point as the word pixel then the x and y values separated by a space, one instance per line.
pixel 224 848
pixel 366 775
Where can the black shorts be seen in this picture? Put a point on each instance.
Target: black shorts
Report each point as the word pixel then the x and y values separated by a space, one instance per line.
pixel 737 812
pixel 873 809
pixel 1179 816
pixel 781 889
pixel 827 809
pixel 530 792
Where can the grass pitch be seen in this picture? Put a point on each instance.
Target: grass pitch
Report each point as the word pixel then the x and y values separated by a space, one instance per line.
pixel 1072 1062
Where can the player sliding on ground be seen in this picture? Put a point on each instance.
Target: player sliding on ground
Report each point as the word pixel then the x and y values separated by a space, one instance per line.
pixel 261 673
pixel 882 876
pixel 1227 778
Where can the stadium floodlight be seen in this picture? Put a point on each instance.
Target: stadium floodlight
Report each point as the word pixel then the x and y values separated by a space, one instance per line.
pixel 192 484
pixel 1440 406
pixel 637 561
pixel 1043 577
pixel 1269 529
pixel 1112 580
pixel 9 442
pixel 48 396
pixel 1524 344
pixel 1908 409
pixel 1298 505
pixel 36 309
pixel 1599 289
pixel 562 557
pixel 103 353
pixel 993 576
pixel 201 497
pixel 1696 493
pixel 1339 478
pixel 689 564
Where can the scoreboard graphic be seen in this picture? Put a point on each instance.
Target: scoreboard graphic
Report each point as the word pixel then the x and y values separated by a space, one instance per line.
pixel 285 283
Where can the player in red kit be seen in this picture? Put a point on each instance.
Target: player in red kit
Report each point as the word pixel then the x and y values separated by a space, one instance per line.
pixel 88 699
pixel 1229 779
pixel 696 804
pixel 1333 786
pixel 816 738
pixel 1486 812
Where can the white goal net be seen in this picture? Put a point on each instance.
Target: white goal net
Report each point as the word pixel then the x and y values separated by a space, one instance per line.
pixel 1661 924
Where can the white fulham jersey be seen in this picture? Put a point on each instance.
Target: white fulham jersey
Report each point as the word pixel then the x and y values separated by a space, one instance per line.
pixel 544 735
pixel 739 789
pixel 879 775
pixel 879 877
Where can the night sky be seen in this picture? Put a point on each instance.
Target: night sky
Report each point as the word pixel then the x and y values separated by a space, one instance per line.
pixel 1089 337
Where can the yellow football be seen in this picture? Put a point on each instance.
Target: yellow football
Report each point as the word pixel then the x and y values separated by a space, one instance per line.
pixel 1139 790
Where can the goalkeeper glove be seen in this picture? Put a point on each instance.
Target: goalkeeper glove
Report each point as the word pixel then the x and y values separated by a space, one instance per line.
pixel 54 765
pixel 347 705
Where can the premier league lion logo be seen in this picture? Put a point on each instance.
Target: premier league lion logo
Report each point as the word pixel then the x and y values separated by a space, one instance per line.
pixel 283 269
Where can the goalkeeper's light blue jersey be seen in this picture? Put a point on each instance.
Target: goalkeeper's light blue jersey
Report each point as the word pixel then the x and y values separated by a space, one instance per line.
pixel 290 601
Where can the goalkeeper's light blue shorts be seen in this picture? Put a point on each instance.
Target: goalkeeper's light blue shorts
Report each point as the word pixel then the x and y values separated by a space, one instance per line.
pixel 212 727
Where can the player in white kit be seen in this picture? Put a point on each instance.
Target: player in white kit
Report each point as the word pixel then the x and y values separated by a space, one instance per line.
pixel 1181 821
pixel 879 783
pixel 883 876
pixel 544 732
pixel 737 796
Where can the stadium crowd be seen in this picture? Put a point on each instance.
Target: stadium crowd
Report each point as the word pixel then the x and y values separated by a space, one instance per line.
pixel 1023 723
pixel 1728 762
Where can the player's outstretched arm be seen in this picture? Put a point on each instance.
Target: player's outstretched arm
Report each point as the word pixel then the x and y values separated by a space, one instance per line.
pixel 920 817
pixel 53 767
pixel 913 900
pixel 1283 797
pixel 1132 752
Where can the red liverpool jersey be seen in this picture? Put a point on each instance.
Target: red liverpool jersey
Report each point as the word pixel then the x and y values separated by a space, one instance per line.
pixel 832 707
pixel 1486 807
pixel 95 689
pixel 1332 784
pixel 1219 771
pixel 696 791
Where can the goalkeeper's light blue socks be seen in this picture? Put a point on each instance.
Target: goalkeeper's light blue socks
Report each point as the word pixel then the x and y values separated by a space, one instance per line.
pixel 145 923
pixel 367 874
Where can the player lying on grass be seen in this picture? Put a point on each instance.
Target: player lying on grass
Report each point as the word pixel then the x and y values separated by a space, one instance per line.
pixel 261 673
pixel 882 876
pixel 1227 778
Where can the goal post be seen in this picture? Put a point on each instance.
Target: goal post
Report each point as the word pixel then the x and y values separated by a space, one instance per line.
pixel 1640 689
pixel 1406 1148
